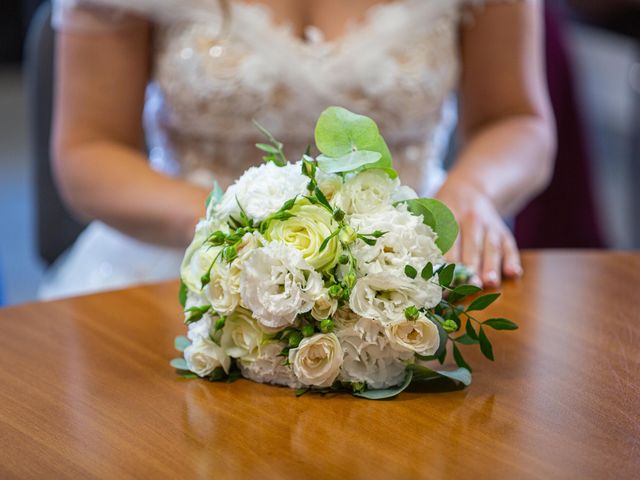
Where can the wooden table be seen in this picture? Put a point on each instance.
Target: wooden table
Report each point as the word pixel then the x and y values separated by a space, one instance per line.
pixel 86 391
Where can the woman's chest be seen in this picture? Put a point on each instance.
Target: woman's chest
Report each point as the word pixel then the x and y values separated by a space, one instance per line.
pixel 397 63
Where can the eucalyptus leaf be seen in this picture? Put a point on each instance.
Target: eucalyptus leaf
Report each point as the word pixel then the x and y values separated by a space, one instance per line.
pixel 179 364
pixel 181 343
pixel 422 373
pixel 500 324
pixel 347 163
pixel 482 302
pixel 387 392
pixel 436 215
pixel 215 195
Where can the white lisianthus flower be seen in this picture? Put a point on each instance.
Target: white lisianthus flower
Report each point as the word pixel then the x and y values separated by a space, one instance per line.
pixel 385 296
pixel 203 356
pixel 407 241
pixel 268 367
pixel 219 291
pixel 324 306
pixel 306 231
pixel 368 356
pixel 317 360
pixel 250 242
pixel 241 335
pixel 261 191
pixel 196 262
pixel 276 284
pixel 419 336
pixel 370 191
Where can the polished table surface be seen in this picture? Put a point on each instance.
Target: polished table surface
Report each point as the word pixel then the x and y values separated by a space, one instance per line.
pixel 86 391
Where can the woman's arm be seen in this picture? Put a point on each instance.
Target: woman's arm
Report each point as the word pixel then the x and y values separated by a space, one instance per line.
pixel 98 147
pixel 508 135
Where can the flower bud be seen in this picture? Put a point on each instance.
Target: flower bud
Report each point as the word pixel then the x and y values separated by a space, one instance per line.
pixel 220 323
pixel 335 291
pixel 411 313
pixel 294 339
pixel 350 279
pixel 307 330
pixel 338 215
pixel 449 326
pixel 327 325
pixel 343 259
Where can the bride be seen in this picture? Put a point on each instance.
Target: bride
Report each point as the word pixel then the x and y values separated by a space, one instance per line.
pixel 154 100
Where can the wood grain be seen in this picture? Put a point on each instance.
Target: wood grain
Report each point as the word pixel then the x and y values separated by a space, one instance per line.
pixel 86 392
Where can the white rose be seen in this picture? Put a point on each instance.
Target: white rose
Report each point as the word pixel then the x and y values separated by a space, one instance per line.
pixel 196 262
pixel 329 183
pixel 261 191
pixel 276 284
pixel 269 367
pixel 368 356
pixel 419 336
pixel 367 191
pixel 203 356
pixel 324 306
pixel 202 327
pixel 241 336
pixel 385 296
pixel 219 291
pixel 317 360
pixel 407 241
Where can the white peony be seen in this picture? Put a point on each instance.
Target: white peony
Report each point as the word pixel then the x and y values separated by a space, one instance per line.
pixel 407 241
pixel 203 356
pixel 368 356
pixel 269 367
pixel 276 284
pixel 241 335
pixel 371 191
pixel 385 296
pixel 317 360
pixel 419 336
pixel 261 191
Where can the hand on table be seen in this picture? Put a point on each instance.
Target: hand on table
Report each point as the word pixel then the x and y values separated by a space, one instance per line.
pixel 485 244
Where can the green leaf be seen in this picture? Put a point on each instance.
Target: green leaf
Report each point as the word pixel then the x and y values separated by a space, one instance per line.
pixel 267 148
pixel 470 330
pixel 436 215
pixel 410 272
pixel 422 373
pixel 179 364
pixel 442 346
pixel 182 294
pixel 482 302
pixel 466 290
pixel 339 133
pixel 347 163
pixel 500 324
pixel 485 345
pixel 326 241
pixel 466 340
pixel 181 343
pixel 215 195
pixel 460 361
pixel 301 391
pixel 387 392
pixel 446 275
pixel 321 198
pixel 427 271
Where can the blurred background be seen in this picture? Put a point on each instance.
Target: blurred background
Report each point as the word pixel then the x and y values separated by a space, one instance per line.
pixel 593 62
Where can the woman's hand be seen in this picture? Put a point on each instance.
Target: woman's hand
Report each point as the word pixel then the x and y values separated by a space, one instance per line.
pixel 485 244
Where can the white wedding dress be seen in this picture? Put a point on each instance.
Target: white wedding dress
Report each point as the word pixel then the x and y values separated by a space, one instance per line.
pixel 212 75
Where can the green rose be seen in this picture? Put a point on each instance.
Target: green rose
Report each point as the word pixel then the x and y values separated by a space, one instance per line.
pixel 306 231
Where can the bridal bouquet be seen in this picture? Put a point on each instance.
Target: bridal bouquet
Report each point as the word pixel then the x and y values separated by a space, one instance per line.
pixel 327 274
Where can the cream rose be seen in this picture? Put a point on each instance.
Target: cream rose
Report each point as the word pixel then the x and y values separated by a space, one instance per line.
pixel 420 335
pixel 317 360
pixel 324 306
pixel 306 231
pixel 219 291
pixel 241 336
pixel 384 296
pixel 203 356
pixel 368 191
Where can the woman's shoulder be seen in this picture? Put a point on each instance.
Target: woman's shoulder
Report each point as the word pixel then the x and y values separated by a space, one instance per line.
pixel 97 14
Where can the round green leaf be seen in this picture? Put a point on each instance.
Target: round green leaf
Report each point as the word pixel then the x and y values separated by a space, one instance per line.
pixel 436 215
pixel 387 392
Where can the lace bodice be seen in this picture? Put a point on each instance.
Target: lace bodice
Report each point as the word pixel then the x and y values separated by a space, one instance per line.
pixel 399 66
